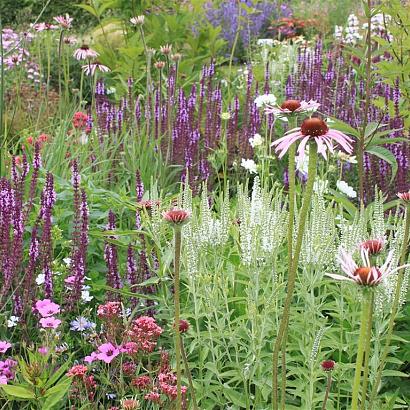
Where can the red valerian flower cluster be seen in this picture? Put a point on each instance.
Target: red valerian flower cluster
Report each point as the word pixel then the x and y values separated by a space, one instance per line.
pixel 145 332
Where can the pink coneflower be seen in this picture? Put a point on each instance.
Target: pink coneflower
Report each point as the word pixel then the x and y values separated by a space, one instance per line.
pixel 50 322
pixel 328 365
pixel 64 21
pixel 70 40
pixel 90 69
pixel 137 20
pixel 373 246
pixel 85 53
pixel 366 274
pixel 404 196
pixel 4 346
pixel 317 130
pixel 107 352
pixel 176 216
pixel 44 26
pixel 293 107
pixel 130 404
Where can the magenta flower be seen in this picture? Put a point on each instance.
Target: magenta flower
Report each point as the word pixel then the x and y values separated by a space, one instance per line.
pixel 90 69
pixel 107 352
pixel 84 53
pixel 47 308
pixel 365 274
pixel 176 216
pixel 4 346
pixel 91 358
pixel 293 107
pixel 3 380
pixel 50 322
pixel 317 130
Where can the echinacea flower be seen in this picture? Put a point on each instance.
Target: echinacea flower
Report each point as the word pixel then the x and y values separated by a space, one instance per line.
pixel 365 274
pixel 130 404
pixel 313 129
pixel 50 322
pixel 85 53
pixel 90 69
pixel 328 365
pixel 404 196
pixel 176 216
pixel 4 346
pixel 373 246
pixel 290 107
pixel 137 20
pixel 64 21
pixel 166 49
pixel 107 352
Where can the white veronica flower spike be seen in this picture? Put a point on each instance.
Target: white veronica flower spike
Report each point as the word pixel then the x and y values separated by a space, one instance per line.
pixel 366 274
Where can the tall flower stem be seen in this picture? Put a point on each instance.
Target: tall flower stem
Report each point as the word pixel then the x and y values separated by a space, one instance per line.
pixel 292 272
pixel 329 385
pixel 367 353
pixel 364 323
pixel 177 234
pixel 361 141
pixel 394 309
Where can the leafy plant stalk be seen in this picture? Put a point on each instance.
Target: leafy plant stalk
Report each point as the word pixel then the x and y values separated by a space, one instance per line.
pixel 292 271
pixel 394 309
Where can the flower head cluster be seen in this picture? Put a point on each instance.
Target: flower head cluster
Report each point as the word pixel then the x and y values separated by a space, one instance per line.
pixel 328 365
pixel 176 216
pixel 85 53
pixel 168 385
pixel 145 332
pixel 80 120
pixel 47 309
pixel 64 21
pixel 78 370
pixel 290 107
pixel 109 311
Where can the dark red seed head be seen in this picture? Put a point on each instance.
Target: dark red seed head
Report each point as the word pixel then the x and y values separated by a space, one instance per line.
pixel 291 105
pixel 314 127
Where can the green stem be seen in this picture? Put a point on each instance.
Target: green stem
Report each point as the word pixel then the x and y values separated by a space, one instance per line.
pixel 367 353
pixel 394 309
pixel 329 385
pixel 177 231
pixel 188 373
pixel 366 310
pixel 292 271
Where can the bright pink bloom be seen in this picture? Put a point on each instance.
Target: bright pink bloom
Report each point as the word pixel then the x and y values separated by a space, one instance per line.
pixel 107 352
pixel 153 396
pixel 50 322
pixel 3 380
pixel 145 332
pixel 130 348
pixel 80 120
pixel 91 358
pixel 109 311
pixel 366 274
pixel 4 346
pixel 47 308
pixel 176 216
pixel 317 130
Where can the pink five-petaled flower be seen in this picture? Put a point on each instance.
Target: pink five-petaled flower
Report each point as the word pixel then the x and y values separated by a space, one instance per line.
pixel 328 365
pixel 176 216
pixel 373 246
pixel 3 380
pixel 47 308
pixel 107 352
pixel 50 322
pixel 365 274
pixel 289 107
pixel 404 196
pixel 4 346
pixel 313 129
pixel 84 53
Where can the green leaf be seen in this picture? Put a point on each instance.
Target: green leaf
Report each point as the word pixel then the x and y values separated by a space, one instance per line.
pixel 18 391
pixel 371 128
pixel 387 156
pixel 394 373
pixel 56 394
pixel 88 8
pixel 343 127
pixel 56 375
